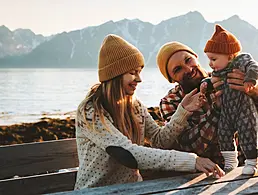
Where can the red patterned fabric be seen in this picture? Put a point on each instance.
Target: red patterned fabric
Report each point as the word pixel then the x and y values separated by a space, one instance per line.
pixel 200 136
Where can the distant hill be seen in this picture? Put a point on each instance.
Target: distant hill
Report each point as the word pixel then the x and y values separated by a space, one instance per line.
pixel 79 49
pixel 18 42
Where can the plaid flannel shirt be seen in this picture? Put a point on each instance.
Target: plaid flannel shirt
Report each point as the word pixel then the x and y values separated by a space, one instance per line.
pixel 200 136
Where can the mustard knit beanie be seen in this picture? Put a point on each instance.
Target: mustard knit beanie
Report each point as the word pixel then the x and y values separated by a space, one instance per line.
pixel 166 51
pixel 117 57
pixel 223 42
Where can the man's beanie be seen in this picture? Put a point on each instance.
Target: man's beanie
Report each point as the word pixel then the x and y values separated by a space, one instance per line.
pixel 166 51
pixel 223 42
pixel 117 57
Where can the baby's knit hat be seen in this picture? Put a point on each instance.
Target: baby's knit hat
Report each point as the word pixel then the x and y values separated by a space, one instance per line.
pixel 223 42
pixel 166 51
pixel 116 57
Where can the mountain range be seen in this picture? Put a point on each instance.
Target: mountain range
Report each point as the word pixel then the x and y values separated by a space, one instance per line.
pixel 79 49
pixel 18 42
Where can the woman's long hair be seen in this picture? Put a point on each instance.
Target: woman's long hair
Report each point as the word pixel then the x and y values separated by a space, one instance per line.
pixel 109 96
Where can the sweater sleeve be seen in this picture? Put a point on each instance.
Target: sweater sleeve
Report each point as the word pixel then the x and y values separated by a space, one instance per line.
pixel 164 137
pixel 250 66
pixel 146 158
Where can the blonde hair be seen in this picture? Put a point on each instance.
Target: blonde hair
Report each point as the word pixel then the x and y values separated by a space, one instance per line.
pixel 110 97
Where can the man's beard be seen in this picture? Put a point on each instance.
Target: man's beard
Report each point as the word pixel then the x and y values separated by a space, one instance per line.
pixel 188 84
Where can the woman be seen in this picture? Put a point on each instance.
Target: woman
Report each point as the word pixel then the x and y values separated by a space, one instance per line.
pixel 111 125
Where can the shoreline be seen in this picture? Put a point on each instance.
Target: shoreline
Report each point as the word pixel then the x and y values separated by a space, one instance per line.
pixel 48 128
pixel 18 119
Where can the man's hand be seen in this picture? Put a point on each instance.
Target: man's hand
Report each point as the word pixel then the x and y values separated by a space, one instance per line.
pixel 236 81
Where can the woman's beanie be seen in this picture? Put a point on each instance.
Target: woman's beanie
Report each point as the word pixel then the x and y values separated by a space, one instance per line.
pixel 166 51
pixel 117 57
pixel 223 42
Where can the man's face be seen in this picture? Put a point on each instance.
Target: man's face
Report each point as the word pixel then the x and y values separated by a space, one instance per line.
pixel 184 68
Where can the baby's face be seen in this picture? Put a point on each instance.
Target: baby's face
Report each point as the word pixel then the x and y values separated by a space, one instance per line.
pixel 218 61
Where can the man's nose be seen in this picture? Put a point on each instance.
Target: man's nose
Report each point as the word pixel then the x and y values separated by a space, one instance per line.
pixel 189 69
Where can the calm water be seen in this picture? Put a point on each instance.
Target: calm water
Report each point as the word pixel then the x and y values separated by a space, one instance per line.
pixel 28 94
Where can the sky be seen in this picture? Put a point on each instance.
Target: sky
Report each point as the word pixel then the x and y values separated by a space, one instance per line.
pixel 55 16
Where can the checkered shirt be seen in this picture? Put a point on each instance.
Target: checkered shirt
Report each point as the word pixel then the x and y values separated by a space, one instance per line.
pixel 200 135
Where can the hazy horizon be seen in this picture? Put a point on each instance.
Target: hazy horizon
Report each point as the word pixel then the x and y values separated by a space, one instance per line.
pixel 57 16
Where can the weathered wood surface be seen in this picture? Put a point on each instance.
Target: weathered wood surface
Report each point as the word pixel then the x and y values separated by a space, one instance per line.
pixel 40 157
pixel 232 183
pixel 32 161
pixel 40 184
pixel 33 158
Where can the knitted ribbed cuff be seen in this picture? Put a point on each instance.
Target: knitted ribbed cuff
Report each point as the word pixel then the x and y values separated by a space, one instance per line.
pixel 182 114
pixel 184 161
pixel 230 157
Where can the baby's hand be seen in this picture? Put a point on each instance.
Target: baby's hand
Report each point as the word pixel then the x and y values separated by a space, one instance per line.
pixel 248 86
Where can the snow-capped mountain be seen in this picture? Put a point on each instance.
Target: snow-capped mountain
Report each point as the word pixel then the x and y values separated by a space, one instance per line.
pixel 79 49
pixel 18 42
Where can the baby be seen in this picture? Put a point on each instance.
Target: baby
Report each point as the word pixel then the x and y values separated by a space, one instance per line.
pixel 238 111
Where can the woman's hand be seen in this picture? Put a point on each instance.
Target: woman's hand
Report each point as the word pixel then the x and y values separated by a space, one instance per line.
pixel 193 101
pixel 236 81
pixel 207 166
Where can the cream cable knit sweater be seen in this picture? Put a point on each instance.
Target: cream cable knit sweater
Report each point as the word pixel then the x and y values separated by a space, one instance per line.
pixel 98 168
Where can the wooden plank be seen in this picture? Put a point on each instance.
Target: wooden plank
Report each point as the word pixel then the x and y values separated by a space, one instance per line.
pixel 46 183
pixel 157 174
pixel 243 186
pixel 145 187
pixel 197 183
pixel 231 183
pixel 239 187
pixel 40 157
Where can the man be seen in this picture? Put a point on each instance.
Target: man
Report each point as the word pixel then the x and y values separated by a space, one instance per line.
pixel 178 63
